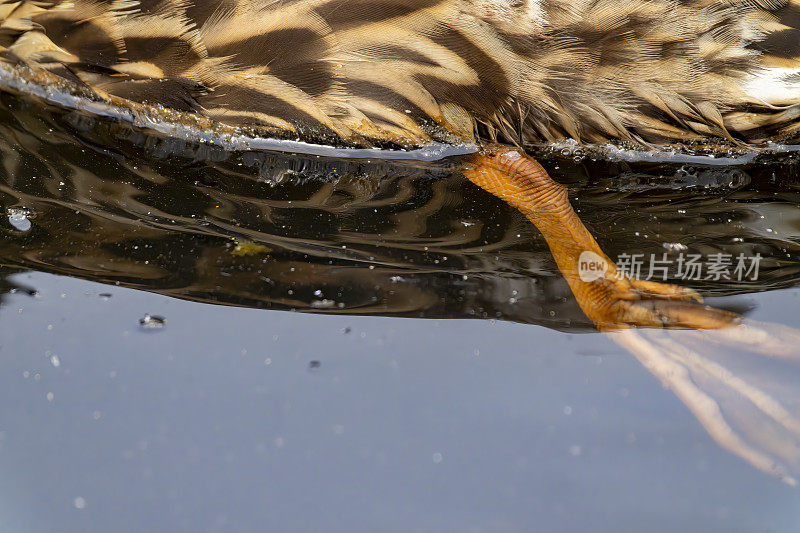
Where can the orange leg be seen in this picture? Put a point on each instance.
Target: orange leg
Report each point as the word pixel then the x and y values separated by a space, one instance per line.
pixel 610 300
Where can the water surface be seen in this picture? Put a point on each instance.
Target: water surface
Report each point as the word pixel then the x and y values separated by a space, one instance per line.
pixel 352 345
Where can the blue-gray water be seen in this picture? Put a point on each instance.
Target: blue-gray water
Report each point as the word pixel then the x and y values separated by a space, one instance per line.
pixel 217 423
pixel 498 411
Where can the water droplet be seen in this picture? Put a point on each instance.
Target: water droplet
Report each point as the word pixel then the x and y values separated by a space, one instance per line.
pixel 675 246
pixel 151 322
pixel 19 219
pixel 437 458
pixel 79 503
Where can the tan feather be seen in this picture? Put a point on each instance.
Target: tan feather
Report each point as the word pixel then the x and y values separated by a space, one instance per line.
pixel 406 72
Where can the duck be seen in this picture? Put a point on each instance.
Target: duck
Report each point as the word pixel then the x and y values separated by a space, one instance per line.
pixel 499 75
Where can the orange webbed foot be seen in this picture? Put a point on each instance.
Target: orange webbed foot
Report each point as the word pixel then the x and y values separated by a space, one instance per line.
pixel 622 302
pixel 611 301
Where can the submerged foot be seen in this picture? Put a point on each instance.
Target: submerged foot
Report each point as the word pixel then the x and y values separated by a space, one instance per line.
pixel 610 300
pixel 613 302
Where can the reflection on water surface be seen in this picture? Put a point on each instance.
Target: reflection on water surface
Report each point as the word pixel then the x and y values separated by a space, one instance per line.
pixel 108 203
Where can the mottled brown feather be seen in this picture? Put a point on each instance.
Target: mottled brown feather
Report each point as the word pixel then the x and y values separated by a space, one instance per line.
pixel 408 72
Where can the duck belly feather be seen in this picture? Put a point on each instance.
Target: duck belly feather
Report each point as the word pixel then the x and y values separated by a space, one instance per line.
pixel 405 73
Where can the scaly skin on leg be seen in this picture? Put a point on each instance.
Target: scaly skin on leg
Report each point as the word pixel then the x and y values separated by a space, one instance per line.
pixel 611 301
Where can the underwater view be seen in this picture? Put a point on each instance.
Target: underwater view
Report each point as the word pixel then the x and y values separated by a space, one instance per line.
pixel 197 339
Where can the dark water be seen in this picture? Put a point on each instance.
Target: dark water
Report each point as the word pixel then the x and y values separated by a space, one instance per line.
pixel 245 417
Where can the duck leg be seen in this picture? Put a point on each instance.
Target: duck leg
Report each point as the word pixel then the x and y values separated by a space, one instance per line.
pixel 609 299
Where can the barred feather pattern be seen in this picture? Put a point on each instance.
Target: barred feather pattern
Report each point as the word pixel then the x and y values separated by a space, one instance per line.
pixel 409 72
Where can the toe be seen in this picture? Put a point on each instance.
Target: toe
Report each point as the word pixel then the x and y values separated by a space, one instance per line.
pixel 665 290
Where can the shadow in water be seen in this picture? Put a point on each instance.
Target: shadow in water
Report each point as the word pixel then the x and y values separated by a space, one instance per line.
pixel 109 203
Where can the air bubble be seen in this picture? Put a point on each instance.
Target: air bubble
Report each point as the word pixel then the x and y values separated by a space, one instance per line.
pixel 19 218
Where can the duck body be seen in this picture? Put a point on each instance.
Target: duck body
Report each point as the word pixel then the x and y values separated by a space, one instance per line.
pixel 406 73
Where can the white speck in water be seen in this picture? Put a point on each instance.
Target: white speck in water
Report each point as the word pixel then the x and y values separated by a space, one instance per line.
pixel 19 218
pixel 575 450
pixel 79 503
pixel 55 361
pixel 96 415
pixel 318 292
pixel 151 322
pixel 50 396
pixel 567 410
pixel 437 458
pixel 323 304
pixel 675 246
pixel 338 429
pixel 279 442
